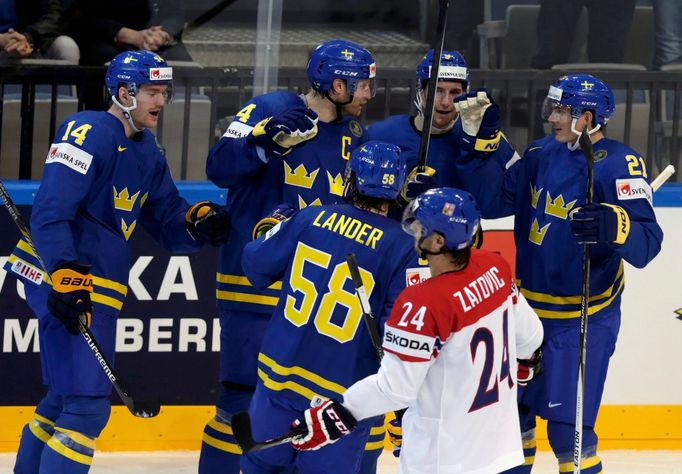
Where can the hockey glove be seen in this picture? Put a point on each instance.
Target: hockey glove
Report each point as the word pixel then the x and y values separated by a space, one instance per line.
pixel 324 424
pixel 418 182
pixel 208 223
pixel 70 295
pixel 599 224
pixel 529 369
pixel 481 121
pixel 478 238
pixel 278 134
pixel 279 214
pixel 395 432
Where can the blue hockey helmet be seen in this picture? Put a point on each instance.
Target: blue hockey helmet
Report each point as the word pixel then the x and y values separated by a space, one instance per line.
pixel 135 68
pixel 579 93
pixel 453 67
pixel 448 211
pixel 378 169
pixel 340 59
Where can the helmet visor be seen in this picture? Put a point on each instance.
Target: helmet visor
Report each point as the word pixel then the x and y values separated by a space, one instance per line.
pixel 410 223
pixel 551 107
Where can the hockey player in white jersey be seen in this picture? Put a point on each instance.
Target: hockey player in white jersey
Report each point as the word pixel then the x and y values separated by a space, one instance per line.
pixel 451 346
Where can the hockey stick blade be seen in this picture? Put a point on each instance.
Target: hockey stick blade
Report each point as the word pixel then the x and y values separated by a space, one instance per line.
pixel 241 428
pixel 137 408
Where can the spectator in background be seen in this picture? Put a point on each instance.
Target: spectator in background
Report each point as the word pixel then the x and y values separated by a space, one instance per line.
pixel 608 27
pixel 104 28
pixel 32 29
pixel 667 32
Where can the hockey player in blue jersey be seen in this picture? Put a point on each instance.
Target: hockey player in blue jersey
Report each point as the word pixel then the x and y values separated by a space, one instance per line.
pixel 104 175
pixel 546 193
pixel 316 344
pixel 281 148
pixel 446 131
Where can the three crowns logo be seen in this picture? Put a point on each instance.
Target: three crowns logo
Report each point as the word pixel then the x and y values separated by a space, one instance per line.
pixel 535 195
pixel 299 176
pixel 537 234
pixel 335 184
pixel 556 207
pixel 123 201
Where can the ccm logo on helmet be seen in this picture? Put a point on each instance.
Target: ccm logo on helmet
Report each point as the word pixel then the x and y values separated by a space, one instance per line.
pixel 341 72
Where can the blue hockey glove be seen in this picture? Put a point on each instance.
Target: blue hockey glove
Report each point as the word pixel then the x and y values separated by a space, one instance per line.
pixel 529 369
pixel 280 213
pixel 278 134
pixel 395 432
pixel 324 424
pixel 600 223
pixel 418 182
pixel 481 121
pixel 208 223
pixel 70 295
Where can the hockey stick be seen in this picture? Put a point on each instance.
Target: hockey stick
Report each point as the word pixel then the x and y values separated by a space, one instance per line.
pixel 586 147
pixel 364 305
pixel 665 175
pixel 142 409
pixel 432 84
pixel 241 428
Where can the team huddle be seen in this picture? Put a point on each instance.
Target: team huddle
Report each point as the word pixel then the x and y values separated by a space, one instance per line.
pixel 469 354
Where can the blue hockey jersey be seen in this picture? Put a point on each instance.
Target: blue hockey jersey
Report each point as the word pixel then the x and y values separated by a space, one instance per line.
pixel 97 185
pixel 311 174
pixel 540 190
pixel 316 342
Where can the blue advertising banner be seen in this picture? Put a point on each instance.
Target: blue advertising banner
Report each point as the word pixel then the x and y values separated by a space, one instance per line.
pixel 168 336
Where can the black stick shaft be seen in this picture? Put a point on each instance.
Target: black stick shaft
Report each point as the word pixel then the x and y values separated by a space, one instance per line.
pixel 364 305
pixel 432 84
pixel 586 147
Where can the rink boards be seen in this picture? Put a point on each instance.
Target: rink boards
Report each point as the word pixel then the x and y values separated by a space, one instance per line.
pixel 168 341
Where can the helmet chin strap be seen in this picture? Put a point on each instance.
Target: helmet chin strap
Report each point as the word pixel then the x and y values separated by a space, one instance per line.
pixel 126 112
pixel 423 252
pixel 338 105
pixel 574 146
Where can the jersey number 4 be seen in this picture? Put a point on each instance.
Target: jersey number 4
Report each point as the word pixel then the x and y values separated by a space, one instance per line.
pixel 488 388
pixel 301 305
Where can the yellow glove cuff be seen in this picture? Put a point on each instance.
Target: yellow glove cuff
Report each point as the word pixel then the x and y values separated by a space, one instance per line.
pixel 489 145
pixel 623 223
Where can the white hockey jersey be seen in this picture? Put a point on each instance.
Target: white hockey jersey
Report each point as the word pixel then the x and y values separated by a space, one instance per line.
pixel 451 345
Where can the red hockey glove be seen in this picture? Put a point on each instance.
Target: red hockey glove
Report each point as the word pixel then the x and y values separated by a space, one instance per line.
pixel 529 369
pixel 325 424
pixel 208 223
pixel 280 213
pixel 70 295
